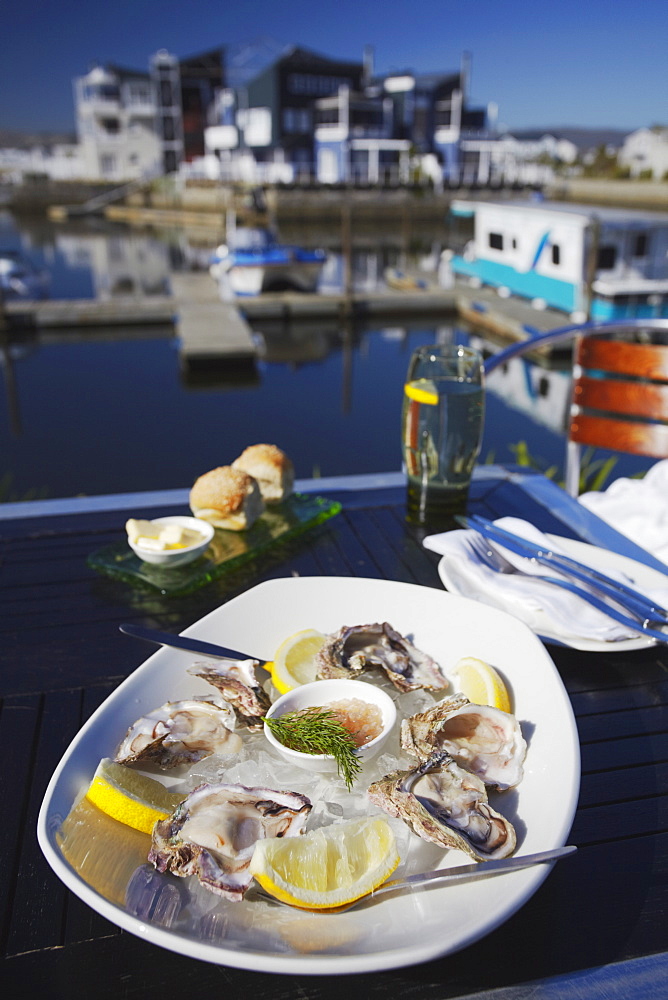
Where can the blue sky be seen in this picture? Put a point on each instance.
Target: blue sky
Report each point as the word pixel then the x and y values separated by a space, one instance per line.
pixel 576 62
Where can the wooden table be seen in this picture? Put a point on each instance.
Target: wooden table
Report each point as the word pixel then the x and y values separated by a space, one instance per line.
pixel 596 927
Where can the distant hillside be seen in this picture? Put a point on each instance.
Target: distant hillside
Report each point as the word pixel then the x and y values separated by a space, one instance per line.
pixel 11 138
pixel 583 138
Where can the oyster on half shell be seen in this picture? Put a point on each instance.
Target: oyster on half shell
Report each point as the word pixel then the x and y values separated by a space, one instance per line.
pixel 355 648
pixel 213 832
pixel 443 803
pixel 482 739
pixel 236 681
pixel 181 732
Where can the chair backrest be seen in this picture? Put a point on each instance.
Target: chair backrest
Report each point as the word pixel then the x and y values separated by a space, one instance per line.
pixel 619 401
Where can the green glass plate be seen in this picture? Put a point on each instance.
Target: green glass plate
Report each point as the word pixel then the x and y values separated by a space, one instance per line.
pixel 228 551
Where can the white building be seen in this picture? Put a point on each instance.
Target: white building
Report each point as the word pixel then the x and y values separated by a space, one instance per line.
pixel 116 114
pixel 59 162
pixel 646 150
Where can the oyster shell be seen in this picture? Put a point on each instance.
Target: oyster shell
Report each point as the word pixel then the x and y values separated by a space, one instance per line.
pixel 236 681
pixel 355 648
pixel 482 739
pixel 443 803
pixel 181 732
pixel 213 832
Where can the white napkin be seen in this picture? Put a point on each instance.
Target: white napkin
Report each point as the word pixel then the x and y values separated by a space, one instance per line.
pixel 545 608
pixel 638 508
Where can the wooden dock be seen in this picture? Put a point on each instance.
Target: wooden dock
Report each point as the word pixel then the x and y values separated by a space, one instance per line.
pixel 210 329
pixel 125 311
pixel 207 327
pixel 511 319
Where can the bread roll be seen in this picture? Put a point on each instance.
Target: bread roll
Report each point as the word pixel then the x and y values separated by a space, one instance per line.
pixel 227 498
pixel 272 469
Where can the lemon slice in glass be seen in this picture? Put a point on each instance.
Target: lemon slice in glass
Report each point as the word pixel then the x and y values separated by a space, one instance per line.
pixel 422 390
pixel 294 662
pixel 328 867
pixel 130 797
pixel 481 683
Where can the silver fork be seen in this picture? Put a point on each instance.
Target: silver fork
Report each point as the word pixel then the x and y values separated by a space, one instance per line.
pixel 486 554
pixel 452 876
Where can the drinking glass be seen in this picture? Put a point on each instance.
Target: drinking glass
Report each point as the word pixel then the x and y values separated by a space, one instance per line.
pixel 441 431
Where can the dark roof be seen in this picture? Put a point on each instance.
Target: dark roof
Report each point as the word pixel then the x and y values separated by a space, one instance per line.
pixel 297 55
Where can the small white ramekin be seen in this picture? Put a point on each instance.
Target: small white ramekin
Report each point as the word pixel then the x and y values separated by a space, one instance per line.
pixel 177 557
pixel 319 694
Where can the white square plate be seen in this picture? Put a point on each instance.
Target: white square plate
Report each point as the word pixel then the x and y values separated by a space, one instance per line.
pixel 398 931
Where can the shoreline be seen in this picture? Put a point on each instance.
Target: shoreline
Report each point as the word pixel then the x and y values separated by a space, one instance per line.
pixel 208 204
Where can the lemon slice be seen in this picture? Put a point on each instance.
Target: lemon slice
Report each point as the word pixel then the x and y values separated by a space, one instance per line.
pixel 422 390
pixel 294 662
pixel 481 683
pixel 130 797
pixel 328 867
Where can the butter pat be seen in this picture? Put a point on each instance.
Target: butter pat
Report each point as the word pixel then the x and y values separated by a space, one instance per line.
pixel 160 537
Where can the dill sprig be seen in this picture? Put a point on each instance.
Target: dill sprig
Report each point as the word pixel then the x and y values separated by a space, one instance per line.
pixel 318 730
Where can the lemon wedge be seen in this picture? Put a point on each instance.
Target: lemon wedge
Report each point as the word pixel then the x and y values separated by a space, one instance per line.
pixel 481 683
pixel 328 867
pixel 130 797
pixel 423 390
pixel 294 662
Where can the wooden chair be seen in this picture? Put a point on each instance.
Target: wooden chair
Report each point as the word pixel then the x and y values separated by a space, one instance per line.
pixel 619 401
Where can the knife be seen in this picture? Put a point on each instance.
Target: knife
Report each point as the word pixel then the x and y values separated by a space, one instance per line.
pixel 633 600
pixel 185 642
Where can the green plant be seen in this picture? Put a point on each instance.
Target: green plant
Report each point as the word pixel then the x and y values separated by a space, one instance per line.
pixel 594 472
pixel 8 495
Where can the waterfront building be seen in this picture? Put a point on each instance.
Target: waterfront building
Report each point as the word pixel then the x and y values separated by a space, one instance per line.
pixel 645 153
pixel 355 141
pixel 267 126
pixel 133 124
pixel 115 117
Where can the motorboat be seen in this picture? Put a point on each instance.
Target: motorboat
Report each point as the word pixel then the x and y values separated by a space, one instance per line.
pixel 255 261
pixel 20 279
pixel 584 260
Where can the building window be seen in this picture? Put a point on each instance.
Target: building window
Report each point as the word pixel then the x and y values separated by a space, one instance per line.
pixel 110 125
pixel 107 164
pixel 296 120
pixel 496 241
pixel 168 130
pixel 314 85
pixel 607 257
pixel 166 94
pixel 138 93
pixel 640 245
pixel 556 254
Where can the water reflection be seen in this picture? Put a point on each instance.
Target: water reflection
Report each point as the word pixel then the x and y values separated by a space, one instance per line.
pixel 129 415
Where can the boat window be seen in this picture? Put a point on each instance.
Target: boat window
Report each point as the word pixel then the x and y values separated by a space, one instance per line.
pixel 607 257
pixel 496 241
pixel 556 254
pixel 640 245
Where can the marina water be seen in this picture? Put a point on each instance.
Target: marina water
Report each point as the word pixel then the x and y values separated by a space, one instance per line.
pixel 89 412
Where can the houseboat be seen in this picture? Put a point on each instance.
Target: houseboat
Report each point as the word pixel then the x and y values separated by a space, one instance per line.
pixel 586 261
